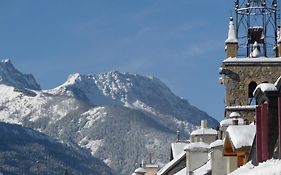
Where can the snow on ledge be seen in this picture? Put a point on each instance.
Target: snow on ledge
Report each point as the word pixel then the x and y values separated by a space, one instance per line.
pixel 252 60
pixel 204 131
pixel 140 170
pixel 241 135
pixel 216 143
pixel 270 167
pixel 197 146
pixel 241 107
pixel 234 114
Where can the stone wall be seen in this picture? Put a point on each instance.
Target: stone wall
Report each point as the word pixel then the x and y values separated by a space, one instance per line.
pixel 231 50
pixel 218 161
pixel 246 114
pixel 207 138
pixel 241 74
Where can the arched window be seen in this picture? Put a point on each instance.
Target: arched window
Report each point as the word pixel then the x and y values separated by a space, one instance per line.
pixel 251 88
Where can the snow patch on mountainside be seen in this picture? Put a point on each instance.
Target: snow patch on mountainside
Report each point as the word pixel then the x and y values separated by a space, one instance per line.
pixel 93 145
pixel 94 115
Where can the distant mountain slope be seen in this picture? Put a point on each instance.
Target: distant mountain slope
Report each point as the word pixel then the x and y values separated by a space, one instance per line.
pixel 120 117
pixel 24 151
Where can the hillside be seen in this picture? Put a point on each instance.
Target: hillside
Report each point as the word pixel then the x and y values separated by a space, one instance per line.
pixel 24 151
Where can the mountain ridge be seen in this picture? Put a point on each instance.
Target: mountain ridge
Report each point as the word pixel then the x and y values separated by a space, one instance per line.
pixel 120 117
pixel 130 90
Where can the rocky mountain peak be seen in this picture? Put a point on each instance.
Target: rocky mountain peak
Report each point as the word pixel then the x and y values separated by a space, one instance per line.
pixel 134 91
pixel 10 76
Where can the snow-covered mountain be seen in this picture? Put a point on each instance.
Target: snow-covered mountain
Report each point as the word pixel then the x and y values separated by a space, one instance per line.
pixel 24 151
pixel 120 117
pixel 134 91
pixel 12 77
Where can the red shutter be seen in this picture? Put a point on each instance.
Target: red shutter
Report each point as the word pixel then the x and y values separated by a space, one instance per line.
pixel 279 125
pixel 258 134
pixel 264 129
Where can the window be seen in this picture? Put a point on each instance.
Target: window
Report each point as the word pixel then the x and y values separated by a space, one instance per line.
pixel 251 88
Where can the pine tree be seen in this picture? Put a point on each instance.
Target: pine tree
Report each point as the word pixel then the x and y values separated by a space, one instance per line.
pixel 65 172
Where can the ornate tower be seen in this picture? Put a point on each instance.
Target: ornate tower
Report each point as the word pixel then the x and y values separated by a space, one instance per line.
pixel 253 50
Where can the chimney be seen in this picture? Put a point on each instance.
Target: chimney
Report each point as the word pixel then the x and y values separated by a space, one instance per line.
pixel 150 158
pixel 178 136
pixel 203 124
pixel 235 121
pixel 220 134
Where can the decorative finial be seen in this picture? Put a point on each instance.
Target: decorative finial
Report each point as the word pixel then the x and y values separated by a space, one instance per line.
pixel 231 38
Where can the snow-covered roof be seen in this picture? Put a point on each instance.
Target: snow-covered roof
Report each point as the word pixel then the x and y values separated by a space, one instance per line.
pixel 264 87
pixel 229 121
pixel 231 37
pixel 216 143
pixel 171 164
pixel 234 114
pixel 241 135
pixel 204 131
pixel 270 167
pixel 139 170
pixel 178 148
pixel 197 146
pixel 200 171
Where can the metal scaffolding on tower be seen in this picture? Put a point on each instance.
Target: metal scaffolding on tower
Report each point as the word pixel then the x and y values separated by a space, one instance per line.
pixel 257 24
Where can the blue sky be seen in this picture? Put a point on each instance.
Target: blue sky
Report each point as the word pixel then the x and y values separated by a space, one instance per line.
pixel 179 41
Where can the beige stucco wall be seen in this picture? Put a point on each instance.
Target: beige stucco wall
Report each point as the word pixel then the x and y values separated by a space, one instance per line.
pixel 218 162
pixel 195 160
pixel 204 138
pixel 231 163
pixel 151 170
